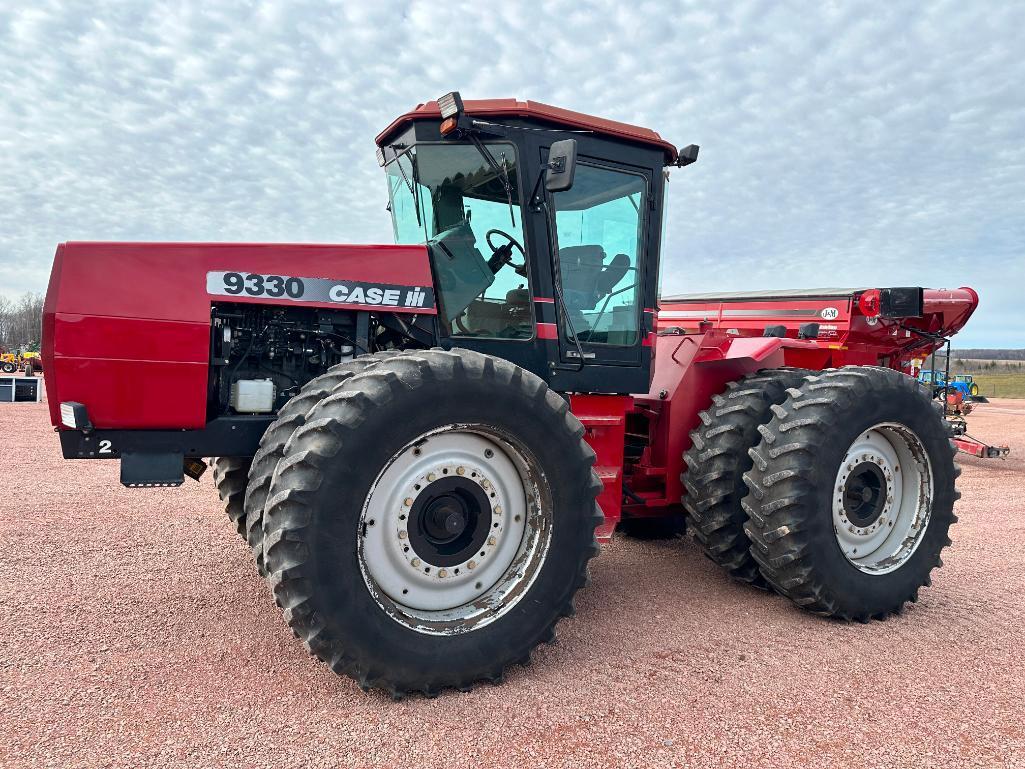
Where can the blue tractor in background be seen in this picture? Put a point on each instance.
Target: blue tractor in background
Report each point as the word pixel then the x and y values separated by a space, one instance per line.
pixel 962 383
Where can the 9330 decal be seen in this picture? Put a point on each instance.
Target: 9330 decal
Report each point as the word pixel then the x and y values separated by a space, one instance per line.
pixel 275 286
pixel 241 284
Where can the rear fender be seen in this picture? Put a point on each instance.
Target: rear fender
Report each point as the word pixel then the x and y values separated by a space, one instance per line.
pixel 689 370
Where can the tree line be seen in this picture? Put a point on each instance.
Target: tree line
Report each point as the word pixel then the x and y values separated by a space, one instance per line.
pixel 21 322
pixel 990 354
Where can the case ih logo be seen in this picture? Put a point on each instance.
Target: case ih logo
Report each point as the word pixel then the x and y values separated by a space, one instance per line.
pixel 317 290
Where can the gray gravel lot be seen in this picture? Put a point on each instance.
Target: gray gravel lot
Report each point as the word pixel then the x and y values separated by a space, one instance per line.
pixel 134 631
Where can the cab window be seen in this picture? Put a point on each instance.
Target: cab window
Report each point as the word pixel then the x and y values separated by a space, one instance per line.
pixel 599 232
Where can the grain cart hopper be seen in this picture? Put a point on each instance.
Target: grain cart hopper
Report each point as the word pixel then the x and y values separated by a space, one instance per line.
pixel 423 443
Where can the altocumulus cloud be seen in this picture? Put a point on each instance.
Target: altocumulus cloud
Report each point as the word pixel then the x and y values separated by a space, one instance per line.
pixel 841 144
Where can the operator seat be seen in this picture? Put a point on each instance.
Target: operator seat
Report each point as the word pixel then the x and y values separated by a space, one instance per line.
pixel 586 280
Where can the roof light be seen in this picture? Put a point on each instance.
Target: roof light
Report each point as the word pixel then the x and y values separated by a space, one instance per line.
pixel 451 104
pixel 448 125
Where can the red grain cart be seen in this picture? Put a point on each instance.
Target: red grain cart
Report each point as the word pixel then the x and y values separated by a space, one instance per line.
pixel 423 443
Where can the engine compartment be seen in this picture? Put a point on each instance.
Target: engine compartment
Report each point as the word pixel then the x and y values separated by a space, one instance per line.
pixel 289 346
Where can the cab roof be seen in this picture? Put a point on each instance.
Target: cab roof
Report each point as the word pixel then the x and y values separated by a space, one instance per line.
pixel 535 110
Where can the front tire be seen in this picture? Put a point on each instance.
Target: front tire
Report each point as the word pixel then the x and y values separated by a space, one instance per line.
pixel 851 494
pixel 375 539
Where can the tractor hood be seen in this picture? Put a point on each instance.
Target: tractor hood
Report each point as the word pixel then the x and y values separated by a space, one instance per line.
pixel 126 326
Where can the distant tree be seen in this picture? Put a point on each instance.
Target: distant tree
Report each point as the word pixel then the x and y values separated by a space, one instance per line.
pixel 21 322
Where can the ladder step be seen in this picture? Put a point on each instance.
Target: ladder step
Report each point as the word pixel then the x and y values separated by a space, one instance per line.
pixel 593 421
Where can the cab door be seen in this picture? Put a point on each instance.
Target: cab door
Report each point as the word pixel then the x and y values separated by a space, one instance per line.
pixel 599 258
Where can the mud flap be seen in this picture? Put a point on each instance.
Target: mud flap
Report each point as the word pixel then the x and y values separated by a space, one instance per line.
pixel 145 470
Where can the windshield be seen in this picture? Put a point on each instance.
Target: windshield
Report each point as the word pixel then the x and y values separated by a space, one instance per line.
pixel 450 196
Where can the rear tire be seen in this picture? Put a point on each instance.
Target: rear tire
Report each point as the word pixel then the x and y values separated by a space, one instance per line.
pixel 365 580
pixel 230 478
pixel 8 368
pixel 716 463
pixel 852 493
pixel 272 445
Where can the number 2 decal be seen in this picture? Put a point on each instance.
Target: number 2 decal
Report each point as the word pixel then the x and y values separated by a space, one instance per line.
pixel 105 447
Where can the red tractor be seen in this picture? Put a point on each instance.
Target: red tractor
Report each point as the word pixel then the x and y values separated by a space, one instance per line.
pixel 424 443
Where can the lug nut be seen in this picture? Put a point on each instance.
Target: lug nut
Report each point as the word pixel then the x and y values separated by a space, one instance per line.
pixel 492 540
pixel 460 470
pixel 471 565
pixel 408 502
pixel 442 573
pixel 415 562
pixel 403 535
pixel 431 476
pixel 498 509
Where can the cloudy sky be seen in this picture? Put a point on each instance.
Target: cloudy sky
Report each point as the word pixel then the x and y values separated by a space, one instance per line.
pixel 841 144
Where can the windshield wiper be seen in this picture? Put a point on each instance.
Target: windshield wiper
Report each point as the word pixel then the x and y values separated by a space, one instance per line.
pixel 503 174
pixel 411 186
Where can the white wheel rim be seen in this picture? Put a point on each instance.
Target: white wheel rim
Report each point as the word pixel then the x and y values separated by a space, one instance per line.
pixel 405 570
pixel 882 498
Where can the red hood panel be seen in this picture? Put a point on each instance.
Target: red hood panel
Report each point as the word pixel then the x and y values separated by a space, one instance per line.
pixel 126 326
pixel 168 281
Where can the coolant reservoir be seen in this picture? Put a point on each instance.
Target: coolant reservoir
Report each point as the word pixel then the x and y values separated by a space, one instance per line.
pixel 253 396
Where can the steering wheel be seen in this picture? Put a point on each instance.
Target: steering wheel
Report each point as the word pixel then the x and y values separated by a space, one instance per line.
pixel 480 332
pixel 521 269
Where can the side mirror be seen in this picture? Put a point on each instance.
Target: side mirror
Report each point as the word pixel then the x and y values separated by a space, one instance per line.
pixel 562 164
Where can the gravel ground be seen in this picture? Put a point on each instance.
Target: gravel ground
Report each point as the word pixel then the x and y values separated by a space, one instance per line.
pixel 134 631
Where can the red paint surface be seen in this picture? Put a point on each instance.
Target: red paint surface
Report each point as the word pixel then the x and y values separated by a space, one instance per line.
pixel 126 325
pixel 604 421
pixel 689 370
pixel 547 331
pixel 535 110
pixel 850 338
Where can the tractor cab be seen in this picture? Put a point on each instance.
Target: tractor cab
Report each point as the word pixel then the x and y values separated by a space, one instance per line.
pixel 543 228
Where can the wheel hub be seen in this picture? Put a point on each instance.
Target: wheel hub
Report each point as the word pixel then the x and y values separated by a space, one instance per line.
pixel 865 493
pixel 449 519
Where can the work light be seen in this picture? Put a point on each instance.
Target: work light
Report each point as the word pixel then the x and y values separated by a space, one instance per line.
pixel 451 105
pixel 75 416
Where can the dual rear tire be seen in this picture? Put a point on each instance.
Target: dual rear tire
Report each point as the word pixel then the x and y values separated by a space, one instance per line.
pixel 845 496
